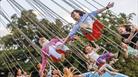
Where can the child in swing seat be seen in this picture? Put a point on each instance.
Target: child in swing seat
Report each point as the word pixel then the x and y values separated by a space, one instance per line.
pixel 91 52
pixel 53 49
pixel 101 68
pixel 99 61
pixel 87 24
pixel 129 34
pixel 129 51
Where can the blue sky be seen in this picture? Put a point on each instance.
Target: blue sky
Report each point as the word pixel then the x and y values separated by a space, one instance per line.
pixel 125 6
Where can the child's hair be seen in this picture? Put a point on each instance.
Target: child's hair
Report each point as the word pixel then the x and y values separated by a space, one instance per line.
pixel 86 47
pixel 69 72
pixel 16 71
pixel 126 26
pixel 57 73
pixel 42 38
pixel 39 35
pixel 81 13
pixel 38 66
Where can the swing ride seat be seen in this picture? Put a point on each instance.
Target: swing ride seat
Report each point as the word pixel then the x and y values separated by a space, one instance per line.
pixel 55 59
pixel 97 27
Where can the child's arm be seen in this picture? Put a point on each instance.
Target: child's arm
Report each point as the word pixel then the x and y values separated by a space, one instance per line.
pixel 91 63
pixel 76 37
pixel 109 5
pixel 106 67
pixel 126 53
pixel 132 34
pixel 97 46
pixel 44 63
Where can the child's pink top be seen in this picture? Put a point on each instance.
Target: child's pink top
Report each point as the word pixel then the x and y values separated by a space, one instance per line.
pixel 44 52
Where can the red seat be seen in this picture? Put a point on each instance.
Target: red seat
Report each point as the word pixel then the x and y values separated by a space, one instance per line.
pixel 97 27
pixel 55 59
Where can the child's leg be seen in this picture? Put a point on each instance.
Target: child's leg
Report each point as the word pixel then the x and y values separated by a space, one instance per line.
pixel 52 51
pixel 59 45
pixel 126 53
pixel 109 71
pixel 107 56
pixel 101 60
pixel 106 67
pixel 86 27
pixel 103 68
pixel 110 67
pixel 113 60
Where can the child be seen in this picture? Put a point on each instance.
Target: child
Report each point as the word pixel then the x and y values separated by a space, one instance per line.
pixel 53 48
pixel 91 52
pixel 129 51
pixel 86 23
pixel 99 60
pixel 129 34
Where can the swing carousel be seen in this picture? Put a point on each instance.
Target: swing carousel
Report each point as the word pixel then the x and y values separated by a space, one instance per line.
pixel 54 47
